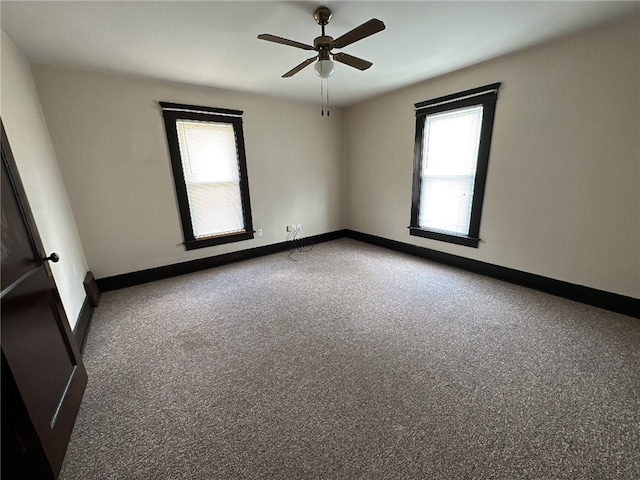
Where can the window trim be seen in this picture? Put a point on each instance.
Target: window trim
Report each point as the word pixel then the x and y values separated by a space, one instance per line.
pixel 173 112
pixel 487 97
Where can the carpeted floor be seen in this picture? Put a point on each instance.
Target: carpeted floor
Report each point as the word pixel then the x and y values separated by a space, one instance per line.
pixel 355 362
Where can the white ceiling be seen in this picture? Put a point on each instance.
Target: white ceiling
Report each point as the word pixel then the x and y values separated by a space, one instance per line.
pixel 213 43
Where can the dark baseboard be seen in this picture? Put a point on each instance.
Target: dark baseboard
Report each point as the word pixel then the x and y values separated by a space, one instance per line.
pixel 144 276
pixel 579 293
pixel 81 330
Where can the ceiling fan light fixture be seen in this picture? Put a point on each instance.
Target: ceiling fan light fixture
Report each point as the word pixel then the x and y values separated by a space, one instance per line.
pixel 324 68
pixel 324 44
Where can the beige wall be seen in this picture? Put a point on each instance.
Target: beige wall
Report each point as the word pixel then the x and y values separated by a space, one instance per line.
pixel 36 160
pixel 563 187
pixel 109 136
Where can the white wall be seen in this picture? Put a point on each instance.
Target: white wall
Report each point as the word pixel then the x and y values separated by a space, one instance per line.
pixel 563 187
pixel 36 160
pixel 109 136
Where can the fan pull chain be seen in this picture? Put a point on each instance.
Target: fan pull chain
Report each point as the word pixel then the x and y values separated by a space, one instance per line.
pixel 328 112
pixel 321 99
pixel 322 96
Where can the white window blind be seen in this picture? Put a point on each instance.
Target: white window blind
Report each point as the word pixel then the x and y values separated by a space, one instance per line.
pixel 451 141
pixel 212 177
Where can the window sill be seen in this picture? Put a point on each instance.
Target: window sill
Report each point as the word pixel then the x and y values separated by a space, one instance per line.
pixel 445 237
pixel 219 240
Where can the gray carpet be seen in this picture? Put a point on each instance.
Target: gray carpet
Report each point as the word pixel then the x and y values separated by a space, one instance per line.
pixel 355 362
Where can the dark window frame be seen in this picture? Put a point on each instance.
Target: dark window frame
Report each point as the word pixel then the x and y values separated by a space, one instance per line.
pixel 487 97
pixel 172 112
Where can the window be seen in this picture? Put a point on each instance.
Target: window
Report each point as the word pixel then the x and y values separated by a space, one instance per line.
pixel 453 137
pixel 210 173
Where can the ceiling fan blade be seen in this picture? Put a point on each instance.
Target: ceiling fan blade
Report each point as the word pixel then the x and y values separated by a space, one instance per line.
pixel 368 28
pixel 352 61
pixel 295 70
pixel 284 41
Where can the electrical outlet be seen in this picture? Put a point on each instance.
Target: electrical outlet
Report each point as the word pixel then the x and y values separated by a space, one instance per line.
pixel 298 227
pixel 259 232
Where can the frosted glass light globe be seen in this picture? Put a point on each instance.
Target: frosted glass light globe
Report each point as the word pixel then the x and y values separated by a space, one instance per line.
pixel 324 68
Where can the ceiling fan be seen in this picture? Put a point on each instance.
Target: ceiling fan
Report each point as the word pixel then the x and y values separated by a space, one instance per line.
pixel 324 45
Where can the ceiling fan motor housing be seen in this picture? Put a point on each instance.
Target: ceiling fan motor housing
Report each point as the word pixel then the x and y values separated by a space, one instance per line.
pixel 323 45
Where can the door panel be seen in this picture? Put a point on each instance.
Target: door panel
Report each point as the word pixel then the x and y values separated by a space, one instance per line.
pixel 31 339
pixel 43 378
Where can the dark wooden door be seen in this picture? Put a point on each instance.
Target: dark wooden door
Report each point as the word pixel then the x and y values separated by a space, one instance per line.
pixel 43 378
